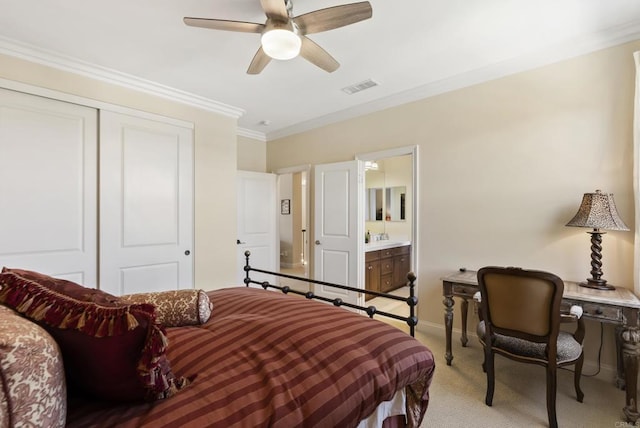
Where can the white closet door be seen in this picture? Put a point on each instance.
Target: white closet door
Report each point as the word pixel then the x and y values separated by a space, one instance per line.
pixel 146 205
pixel 48 186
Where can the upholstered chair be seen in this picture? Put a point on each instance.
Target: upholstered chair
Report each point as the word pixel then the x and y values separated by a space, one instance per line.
pixel 520 319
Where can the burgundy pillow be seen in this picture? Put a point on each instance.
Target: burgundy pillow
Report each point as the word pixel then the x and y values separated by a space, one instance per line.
pixel 111 350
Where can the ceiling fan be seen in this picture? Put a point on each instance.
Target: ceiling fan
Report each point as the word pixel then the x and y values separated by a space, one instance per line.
pixel 284 36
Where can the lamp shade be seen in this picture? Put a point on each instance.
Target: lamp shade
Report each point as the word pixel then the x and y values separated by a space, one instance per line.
pixel 598 211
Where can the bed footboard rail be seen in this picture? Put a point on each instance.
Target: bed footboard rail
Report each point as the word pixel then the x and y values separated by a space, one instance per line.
pixel 371 311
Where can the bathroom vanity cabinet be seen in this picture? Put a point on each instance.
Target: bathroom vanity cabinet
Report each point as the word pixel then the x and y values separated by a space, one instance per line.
pixel 386 269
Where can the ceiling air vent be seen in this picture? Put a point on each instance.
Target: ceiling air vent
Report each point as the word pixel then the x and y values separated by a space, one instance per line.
pixel 369 83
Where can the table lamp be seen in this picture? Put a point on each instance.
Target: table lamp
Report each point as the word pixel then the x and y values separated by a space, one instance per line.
pixel 597 211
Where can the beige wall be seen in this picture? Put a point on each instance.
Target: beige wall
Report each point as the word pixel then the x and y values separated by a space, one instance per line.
pixel 215 160
pixel 252 155
pixel 503 166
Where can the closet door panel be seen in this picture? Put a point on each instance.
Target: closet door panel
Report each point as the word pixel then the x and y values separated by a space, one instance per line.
pixel 48 219
pixel 150 188
pixel 146 205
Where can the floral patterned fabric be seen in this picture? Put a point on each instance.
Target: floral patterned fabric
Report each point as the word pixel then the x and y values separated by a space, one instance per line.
pixel 33 391
pixel 112 350
pixel 176 308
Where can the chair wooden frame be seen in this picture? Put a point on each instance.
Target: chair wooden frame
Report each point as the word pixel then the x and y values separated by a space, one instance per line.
pixel 538 321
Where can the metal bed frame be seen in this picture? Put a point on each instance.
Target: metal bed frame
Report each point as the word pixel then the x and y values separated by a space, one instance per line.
pixel 411 301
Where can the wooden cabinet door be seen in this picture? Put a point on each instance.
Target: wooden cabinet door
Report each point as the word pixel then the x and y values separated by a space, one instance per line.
pixel 387 269
pixel 372 277
pixel 401 267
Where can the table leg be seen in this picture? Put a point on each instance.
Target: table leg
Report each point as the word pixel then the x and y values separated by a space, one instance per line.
pixel 620 378
pixel 631 357
pixel 464 309
pixel 448 321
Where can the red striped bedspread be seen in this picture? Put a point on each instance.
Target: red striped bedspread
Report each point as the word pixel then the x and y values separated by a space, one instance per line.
pixel 266 359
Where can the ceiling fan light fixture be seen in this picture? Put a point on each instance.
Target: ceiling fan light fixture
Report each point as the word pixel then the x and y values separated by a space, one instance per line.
pixel 281 44
pixel 284 34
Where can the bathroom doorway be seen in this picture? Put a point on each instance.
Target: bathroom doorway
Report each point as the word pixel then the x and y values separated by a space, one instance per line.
pixel 391 213
pixel 293 223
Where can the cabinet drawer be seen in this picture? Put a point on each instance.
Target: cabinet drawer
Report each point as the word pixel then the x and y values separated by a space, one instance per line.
pixel 386 282
pixel 386 266
pixel 595 310
pixel 386 253
pixel 464 290
pixel 371 255
pixel 405 249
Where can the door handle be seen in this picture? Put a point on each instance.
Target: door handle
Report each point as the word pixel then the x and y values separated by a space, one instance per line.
pixel 186 253
pixel 239 242
pixel 317 242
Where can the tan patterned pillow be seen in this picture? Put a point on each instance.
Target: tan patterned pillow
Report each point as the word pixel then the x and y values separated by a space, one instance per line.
pixel 33 391
pixel 176 308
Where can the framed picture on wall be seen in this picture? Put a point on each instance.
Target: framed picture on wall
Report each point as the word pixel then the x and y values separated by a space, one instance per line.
pixel 285 206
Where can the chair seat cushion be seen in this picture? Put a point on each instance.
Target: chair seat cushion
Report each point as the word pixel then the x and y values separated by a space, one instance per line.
pixel 568 348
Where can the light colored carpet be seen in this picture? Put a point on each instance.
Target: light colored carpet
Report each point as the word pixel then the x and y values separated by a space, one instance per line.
pixel 458 392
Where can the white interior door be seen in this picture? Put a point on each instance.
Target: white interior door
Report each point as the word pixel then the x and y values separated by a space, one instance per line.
pixel 146 205
pixel 339 229
pixel 48 220
pixel 257 229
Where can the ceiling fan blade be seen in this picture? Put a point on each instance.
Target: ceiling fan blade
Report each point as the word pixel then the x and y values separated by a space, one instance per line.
pixel 318 56
pixel 221 24
pixel 275 9
pixel 333 17
pixel 259 62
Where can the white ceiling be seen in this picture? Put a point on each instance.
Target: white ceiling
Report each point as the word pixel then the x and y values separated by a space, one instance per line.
pixel 413 48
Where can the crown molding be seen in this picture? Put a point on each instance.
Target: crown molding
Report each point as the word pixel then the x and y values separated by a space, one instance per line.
pixel 575 47
pixel 41 56
pixel 248 133
pixel 556 53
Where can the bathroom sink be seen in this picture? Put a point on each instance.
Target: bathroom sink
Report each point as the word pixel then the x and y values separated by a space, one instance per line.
pixel 381 245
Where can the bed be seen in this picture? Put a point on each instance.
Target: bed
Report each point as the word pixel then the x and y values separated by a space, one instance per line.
pixel 257 358
pixel 275 359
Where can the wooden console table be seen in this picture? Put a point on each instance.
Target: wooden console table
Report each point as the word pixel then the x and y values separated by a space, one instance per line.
pixel 620 307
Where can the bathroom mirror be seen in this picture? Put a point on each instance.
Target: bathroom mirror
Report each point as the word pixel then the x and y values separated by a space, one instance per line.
pixel 395 209
pixel 374 204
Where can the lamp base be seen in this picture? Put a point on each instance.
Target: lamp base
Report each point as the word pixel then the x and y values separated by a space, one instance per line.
pixel 598 284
